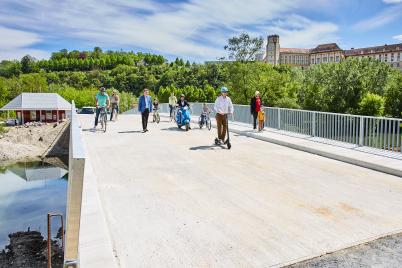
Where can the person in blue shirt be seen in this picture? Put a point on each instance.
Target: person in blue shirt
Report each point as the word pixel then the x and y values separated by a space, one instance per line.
pixel 144 107
pixel 102 102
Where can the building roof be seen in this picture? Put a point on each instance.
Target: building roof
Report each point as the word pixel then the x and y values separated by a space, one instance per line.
pixel 38 101
pixel 332 47
pixel 295 50
pixel 373 50
pixel 42 173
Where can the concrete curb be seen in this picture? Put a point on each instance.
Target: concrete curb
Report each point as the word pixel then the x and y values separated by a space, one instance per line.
pixel 350 160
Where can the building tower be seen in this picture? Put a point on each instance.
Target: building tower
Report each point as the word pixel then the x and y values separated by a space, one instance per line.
pixel 273 48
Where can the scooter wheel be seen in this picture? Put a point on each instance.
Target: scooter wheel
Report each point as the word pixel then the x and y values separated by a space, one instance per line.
pixel 216 141
pixel 187 127
pixel 229 145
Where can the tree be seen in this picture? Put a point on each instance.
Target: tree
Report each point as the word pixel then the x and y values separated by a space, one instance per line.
pixel 243 47
pixel 372 104
pixel 393 95
pixel 27 64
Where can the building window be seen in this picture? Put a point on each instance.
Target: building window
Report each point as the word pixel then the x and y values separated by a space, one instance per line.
pixel 331 59
pixel 398 57
pixel 318 60
pixel 337 58
pixel 386 58
pixel 312 61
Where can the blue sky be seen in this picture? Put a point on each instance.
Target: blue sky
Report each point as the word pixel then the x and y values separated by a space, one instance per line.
pixel 196 29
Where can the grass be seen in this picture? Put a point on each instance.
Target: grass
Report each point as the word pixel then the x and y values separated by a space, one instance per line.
pixel 2 129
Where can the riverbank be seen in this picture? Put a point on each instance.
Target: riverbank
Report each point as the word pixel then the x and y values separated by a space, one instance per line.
pixel 34 141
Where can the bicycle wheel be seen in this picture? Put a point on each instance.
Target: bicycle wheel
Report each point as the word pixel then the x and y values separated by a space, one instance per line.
pixel 153 118
pixel 209 125
pixel 104 122
pixel 158 118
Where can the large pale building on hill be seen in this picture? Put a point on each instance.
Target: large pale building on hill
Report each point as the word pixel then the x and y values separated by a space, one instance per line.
pixel 324 53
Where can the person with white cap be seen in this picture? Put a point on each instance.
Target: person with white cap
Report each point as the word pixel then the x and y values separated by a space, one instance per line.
pixel 255 107
pixel 223 106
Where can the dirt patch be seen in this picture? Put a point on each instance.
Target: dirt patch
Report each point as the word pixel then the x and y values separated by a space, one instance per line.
pixel 348 208
pixel 323 211
pixel 383 252
pixel 31 142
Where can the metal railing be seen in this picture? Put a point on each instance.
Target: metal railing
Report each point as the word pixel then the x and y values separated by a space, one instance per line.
pixel 76 166
pixel 375 132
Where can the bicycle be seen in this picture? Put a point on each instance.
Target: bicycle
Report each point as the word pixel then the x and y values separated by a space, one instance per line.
pixel 204 119
pixel 156 117
pixel 103 118
pixel 173 115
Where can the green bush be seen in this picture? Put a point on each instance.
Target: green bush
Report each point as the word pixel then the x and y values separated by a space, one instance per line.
pixel 372 104
pixel 2 129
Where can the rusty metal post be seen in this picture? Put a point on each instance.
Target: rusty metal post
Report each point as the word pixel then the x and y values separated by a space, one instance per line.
pixel 49 235
pixel 49 240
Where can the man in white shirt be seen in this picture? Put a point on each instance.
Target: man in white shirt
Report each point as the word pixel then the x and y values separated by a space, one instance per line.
pixel 223 106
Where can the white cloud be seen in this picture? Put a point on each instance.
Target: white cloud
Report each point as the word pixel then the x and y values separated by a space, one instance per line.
pixel 15 44
pixel 398 37
pixel 296 31
pixel 392 1
pixel 197 29
pixel 383 18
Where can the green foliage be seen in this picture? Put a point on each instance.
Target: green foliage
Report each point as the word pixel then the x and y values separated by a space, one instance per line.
pixel 393 95
pixel 2 129
pixel 372 104
pixel 352 86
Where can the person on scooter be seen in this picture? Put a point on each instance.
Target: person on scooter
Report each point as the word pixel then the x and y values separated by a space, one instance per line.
pixel 181 103
pixel 223 106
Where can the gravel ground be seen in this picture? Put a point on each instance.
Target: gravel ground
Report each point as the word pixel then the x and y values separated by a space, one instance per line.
pixel 383 252
pixel 20 143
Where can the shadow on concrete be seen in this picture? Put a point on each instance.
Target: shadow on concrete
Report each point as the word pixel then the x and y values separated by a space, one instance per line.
pixel 89 130
pixel 207 147
pixel 130 131
pixel 173 129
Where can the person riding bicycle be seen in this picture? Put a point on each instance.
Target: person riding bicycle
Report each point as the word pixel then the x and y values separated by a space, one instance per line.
pixel 172 103
pixel 155 105
pixel 102 102
pixel 114 100
pixel 205 111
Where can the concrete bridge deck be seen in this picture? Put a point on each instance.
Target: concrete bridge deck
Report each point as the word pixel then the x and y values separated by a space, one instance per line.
pixel 170 199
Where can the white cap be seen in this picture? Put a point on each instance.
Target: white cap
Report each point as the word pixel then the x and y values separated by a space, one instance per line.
pixel 257 93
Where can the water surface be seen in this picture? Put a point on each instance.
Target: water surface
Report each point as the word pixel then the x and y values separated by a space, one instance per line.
pixel 28 191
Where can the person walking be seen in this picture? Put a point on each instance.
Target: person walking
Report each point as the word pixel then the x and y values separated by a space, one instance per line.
pixel 114 100
pixel 255 107
pixel 172 102
pixel 223 106
pixel 144 107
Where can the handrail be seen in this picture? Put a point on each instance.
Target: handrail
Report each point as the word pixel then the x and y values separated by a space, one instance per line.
pixel 74 191
pixel 376 132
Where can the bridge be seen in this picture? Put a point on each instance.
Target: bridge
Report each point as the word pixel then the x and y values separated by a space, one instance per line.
pixel 170 198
